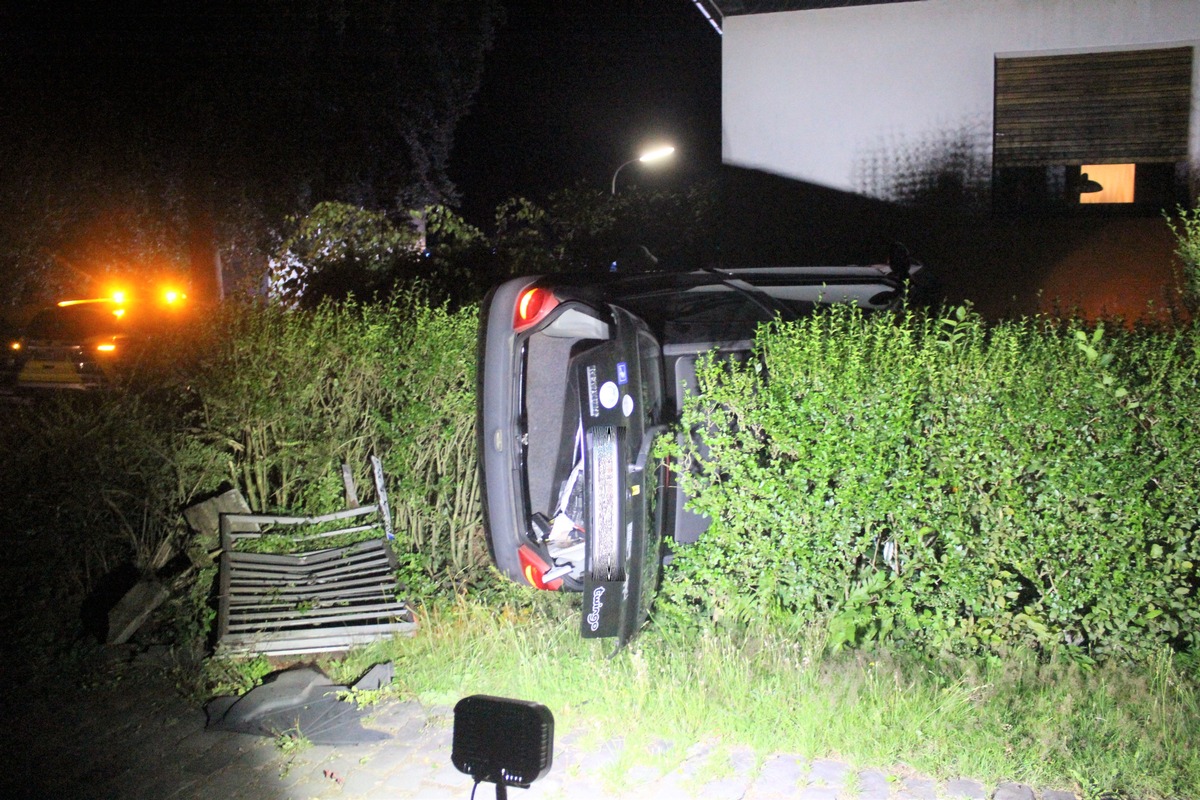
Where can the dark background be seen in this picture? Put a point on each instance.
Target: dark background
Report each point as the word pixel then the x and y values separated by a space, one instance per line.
pixel 572 89
pixel 267 89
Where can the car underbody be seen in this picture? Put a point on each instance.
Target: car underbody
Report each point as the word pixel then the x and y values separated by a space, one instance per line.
pixel 578 377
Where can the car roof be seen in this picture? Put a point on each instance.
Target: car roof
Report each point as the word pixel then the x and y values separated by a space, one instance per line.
pixel 75 320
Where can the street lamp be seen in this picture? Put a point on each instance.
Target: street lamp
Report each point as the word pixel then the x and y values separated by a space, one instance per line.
pixel 650 155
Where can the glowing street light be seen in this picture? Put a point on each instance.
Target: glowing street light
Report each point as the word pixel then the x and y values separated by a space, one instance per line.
pixel 656 154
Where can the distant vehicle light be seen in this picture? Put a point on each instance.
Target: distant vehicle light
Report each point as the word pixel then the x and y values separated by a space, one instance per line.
pixel 14 345
pixel 118 312
pixel 107 347
pixel 119 296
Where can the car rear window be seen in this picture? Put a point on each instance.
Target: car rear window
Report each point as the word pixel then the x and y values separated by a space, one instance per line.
pixel 73 322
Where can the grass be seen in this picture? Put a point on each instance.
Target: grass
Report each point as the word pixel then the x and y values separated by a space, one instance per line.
pixel 1124 728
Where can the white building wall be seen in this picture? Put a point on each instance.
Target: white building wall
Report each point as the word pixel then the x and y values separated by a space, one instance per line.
pixel 834 96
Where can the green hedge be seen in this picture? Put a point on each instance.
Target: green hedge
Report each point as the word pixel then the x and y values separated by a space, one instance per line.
pixel 949 485
pixel 930 481
pixel 268 401
pixel 278 399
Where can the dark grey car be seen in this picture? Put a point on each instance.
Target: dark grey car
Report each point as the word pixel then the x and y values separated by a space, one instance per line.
pixel 577 377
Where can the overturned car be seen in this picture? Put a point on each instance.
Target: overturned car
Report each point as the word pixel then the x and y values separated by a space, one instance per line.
pixel 578 375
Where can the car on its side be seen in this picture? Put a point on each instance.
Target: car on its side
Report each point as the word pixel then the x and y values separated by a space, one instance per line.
pixel 578 375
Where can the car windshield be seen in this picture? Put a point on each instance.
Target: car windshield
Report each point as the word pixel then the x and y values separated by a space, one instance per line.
pixel 74 322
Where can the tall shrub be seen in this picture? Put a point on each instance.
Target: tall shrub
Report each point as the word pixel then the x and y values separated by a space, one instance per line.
pixel 947 485
pixel 427 366
pixel 1186 229
pixel 277 400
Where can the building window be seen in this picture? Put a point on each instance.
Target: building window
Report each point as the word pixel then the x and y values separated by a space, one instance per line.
pixel 1106 183
pixel 1118 117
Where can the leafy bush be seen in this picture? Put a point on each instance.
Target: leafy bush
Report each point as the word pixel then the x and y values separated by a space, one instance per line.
pixel 271 402
pixel 90 483
pixel 280 399
pixel 955 487
pixel 427 365
pixel 1186 228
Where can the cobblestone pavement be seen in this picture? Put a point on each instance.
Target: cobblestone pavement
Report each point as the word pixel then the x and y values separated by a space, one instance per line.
pixel 144 741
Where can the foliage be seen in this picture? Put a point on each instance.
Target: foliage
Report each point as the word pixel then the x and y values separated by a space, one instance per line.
pixel 299 103
pixel 92 482
pixel 584 229
pixel 268 401
pixel 1186 229
pixel 427 366
pixel 336 249
pixel 953 487
pixel 221 676
pixel 277 400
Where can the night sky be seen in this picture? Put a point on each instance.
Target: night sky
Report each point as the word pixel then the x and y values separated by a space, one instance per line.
pixel 574 87
pixel 570 90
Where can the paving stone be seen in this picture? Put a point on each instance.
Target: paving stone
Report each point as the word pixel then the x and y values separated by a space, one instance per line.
pixel 743 759
pixel 825 772
pixel 873 785
pixel 917 789
pixel 960 787
pixel 671 787
pixel 228 749
pixel 392 758
pixel 157 782
pixel 447 775
pixel 780 775
pixel 156 747
pixel 603 757
pixel 403 782
pixel 730 788
pixel 361 782
pixel 1013 791
pixel 642 773
pixel 438 740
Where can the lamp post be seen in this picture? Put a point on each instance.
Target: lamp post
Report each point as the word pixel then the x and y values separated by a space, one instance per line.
pixel 650 155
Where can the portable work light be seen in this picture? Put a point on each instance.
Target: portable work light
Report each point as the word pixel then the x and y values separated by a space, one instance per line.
pixel 501 741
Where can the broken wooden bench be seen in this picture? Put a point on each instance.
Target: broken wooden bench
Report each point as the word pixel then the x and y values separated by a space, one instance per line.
pixel 309 599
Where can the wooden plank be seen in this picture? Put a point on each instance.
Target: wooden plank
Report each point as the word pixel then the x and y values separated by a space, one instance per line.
pixel 294 643
pixel 381 498
pixel 313 569
pixel 246 576
pixel 257 593
pixel 279 620
pixel 253 606
pixel 375 547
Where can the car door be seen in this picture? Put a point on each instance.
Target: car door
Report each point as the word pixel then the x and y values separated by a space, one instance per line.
pixel 619 382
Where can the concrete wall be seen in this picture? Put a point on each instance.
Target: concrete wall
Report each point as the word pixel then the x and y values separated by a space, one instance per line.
pixel 846 97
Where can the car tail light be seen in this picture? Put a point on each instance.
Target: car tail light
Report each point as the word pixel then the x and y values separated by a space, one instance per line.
pixel 534 567
pixel 533 304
